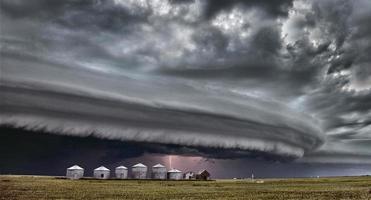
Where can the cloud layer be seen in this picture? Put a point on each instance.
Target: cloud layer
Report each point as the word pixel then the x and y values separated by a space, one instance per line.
pixel 281 77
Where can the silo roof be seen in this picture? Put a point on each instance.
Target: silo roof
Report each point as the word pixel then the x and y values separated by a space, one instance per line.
pixel 174 171
pixel 121 167
pixel 140 165
pixel 158 166
pixel 75 167
pixel 102 168
pixel 203 171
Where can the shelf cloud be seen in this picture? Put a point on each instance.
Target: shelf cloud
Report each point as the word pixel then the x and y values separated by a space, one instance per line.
pixel 197 120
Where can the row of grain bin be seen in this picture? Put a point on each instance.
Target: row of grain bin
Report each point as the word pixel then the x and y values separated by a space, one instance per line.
pixel 77 172
pixel 139 171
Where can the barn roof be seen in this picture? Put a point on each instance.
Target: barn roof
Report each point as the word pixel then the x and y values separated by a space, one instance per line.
pixel 204 172
pixel 102 168
pixel 140 165
pixel 174 171
pixel 158 166
pixel 75 167
pixel 121 167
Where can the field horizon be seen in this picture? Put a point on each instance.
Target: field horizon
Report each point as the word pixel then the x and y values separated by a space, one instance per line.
pixel 50 187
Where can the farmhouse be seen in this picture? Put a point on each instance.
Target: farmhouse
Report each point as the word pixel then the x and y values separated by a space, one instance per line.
pixel 139 171
pixel 189 175
pixel 75 172
pixel 203 175
pixel 101 173
pixel 159 172
pixel 174 174
pixel 121 172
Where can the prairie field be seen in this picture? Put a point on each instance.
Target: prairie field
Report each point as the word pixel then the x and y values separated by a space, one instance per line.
pixel 43 187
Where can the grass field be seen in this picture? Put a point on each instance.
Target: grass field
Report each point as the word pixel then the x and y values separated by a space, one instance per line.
pixel 29 187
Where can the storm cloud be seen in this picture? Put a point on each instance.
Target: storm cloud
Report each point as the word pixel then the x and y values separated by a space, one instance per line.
pixel 285 78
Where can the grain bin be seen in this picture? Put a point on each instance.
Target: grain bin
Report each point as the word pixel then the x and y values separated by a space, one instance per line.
pixel 75 172
pixel 121 172
pixel 139 171
pixel 159 172
pixel 101 173
pixel 174 174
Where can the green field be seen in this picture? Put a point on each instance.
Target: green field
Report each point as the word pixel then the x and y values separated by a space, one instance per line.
pixel 29 187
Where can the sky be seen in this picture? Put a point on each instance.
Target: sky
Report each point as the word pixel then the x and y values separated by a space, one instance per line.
pixel 274 88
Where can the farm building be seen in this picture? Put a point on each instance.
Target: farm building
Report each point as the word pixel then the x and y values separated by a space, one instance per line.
pixel 159 172
pixel 174 174
pixel 203 175
pixel 75 172
pixel 139 171
pixel 189 175
pixel 102 173
pixel 121 172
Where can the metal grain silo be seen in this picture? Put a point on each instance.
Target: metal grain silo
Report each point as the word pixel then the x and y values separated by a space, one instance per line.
pixel 102 173
pixel 121 172
pixel 159 172
pixel 174 174
pixel 75 172
pixel 139 171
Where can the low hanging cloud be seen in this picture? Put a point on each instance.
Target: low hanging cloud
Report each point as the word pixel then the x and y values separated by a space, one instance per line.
pixel 287 78
pixel 198 120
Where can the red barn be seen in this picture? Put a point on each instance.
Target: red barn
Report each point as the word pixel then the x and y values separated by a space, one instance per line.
pixel 203 175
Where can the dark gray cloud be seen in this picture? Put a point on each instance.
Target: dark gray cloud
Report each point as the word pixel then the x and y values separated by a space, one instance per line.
pixel 161 119
pixel 49 154
pixel 280 77
pixel 273 8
